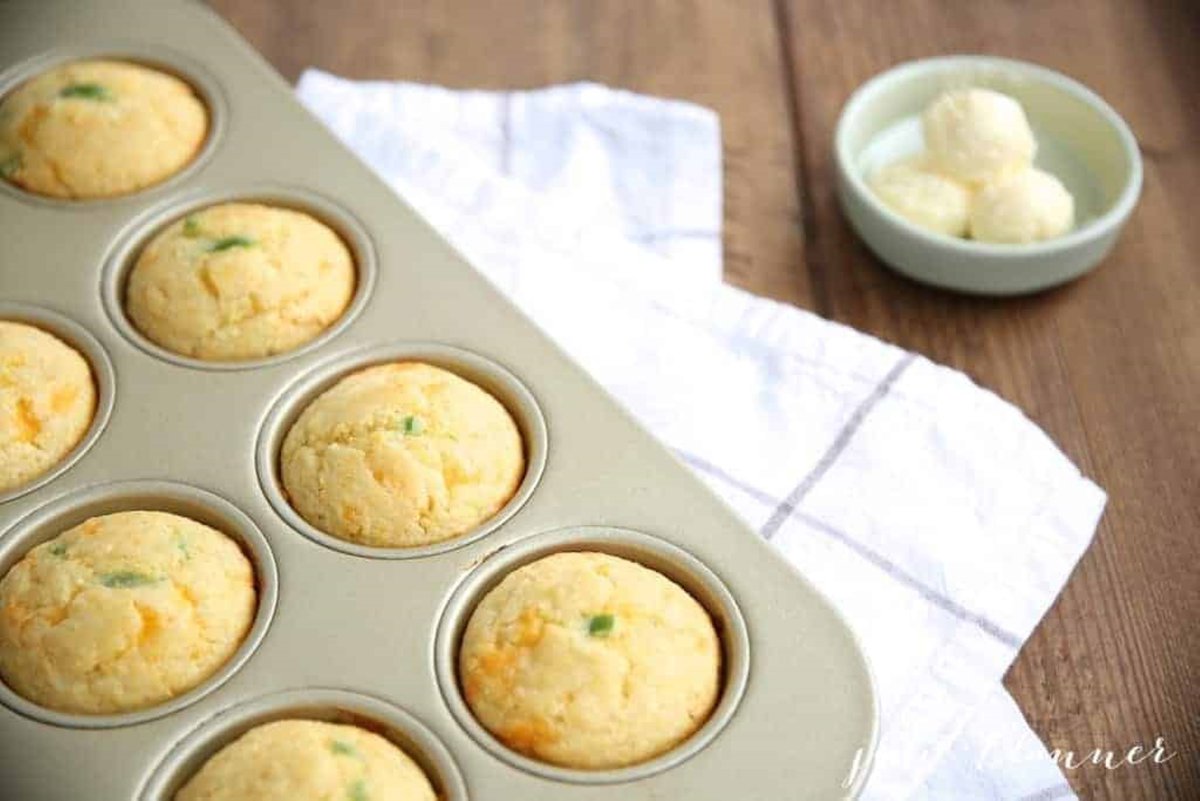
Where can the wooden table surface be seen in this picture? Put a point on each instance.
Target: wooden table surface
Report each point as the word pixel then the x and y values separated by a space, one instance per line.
pixel 1109 366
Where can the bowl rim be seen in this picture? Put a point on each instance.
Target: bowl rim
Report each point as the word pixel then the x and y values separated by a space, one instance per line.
pixel 1094 229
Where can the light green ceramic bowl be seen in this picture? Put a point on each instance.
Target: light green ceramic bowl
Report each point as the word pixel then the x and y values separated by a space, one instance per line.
pixel 1081 139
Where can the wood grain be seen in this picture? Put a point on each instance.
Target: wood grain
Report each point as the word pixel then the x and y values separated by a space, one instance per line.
pixel 657 48
pixel 1109 366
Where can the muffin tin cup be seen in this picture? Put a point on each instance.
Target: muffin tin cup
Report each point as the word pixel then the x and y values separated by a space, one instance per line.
pixel 74 508
pixel 147 54
pixel 145 226
pixel 500 383
pixel 330 705
pixel 79 338
pixel 673 562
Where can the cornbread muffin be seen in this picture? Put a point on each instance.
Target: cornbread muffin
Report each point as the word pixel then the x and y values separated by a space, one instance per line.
pixel 239 281
pixel 47 401
pixel 401 454
pixel 93 129
pixel 586 660
pixel 308 760
pixel 122 612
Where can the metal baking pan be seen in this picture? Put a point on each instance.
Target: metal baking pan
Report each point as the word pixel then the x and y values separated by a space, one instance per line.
pixel 346 632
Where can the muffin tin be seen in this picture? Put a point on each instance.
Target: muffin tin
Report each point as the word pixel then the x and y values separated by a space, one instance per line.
pixel 346 632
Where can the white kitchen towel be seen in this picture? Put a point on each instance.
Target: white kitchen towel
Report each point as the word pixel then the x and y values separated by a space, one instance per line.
pixel 938 518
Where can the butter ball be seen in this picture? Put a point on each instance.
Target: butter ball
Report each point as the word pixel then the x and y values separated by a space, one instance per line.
pixel 977 135
pixel 1028 206
pixel 923 197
